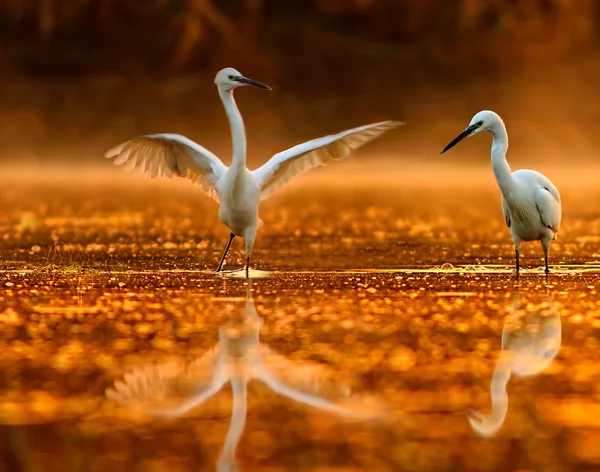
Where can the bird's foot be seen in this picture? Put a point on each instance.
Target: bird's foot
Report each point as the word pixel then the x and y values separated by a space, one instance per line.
pixel 229 271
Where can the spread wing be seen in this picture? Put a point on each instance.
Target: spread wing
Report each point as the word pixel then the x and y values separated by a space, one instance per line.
pixel 316 385
pixel 548 204
pixel 170 388
pixel 169 155
pixel 287 164
pixel 310 378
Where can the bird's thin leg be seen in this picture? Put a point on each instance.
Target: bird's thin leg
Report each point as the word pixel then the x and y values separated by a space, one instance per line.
pixel 250 237
pixel 517 261
pixel 231 236
pixel 546 247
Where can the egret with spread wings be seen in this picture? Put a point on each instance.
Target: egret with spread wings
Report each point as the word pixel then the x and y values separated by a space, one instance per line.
pixel 530 202
pixel 237 189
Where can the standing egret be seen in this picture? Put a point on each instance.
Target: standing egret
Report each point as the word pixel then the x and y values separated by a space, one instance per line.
pixel 530 202
pixel 237 189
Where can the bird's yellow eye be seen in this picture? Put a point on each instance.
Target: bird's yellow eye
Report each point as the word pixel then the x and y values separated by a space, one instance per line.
pixel 479 124
pixel 231 77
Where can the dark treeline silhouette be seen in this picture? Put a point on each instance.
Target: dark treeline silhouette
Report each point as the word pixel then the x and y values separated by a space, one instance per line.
pixel 75 37
pixel 79 75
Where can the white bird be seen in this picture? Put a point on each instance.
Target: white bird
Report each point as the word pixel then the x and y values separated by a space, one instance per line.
pixel 237 189
pixel 530 202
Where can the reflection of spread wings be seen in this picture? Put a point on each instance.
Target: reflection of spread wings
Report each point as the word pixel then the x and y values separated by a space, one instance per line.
pixel 170 385
pixel 302 376
pixel 172 389
pixel 316 385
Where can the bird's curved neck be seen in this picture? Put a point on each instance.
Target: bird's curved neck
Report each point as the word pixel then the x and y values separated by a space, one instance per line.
pixel 238 133
pixel 500 166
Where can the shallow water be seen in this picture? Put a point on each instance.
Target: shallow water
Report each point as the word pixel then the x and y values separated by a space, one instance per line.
pixel 381 329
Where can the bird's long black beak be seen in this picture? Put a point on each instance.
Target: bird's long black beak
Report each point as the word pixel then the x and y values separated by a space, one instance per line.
pixel 247 81
pixel 466 133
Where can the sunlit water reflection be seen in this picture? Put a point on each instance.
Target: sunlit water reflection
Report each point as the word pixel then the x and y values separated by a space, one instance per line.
pixel 387 333
pixel 238 358
pixel 531 339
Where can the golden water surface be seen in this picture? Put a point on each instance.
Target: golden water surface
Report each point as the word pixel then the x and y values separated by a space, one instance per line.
pixel 382 328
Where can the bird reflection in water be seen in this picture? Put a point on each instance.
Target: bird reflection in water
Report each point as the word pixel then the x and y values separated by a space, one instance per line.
pixel 531 338
pixel 172 389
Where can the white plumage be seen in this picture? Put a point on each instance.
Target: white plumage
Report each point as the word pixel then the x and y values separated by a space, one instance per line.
pixel 170 155
pixel 530 202
pixel 285 165
pixel 237 189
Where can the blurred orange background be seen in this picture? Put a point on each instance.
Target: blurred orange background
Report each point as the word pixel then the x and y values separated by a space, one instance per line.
pixel 80 75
